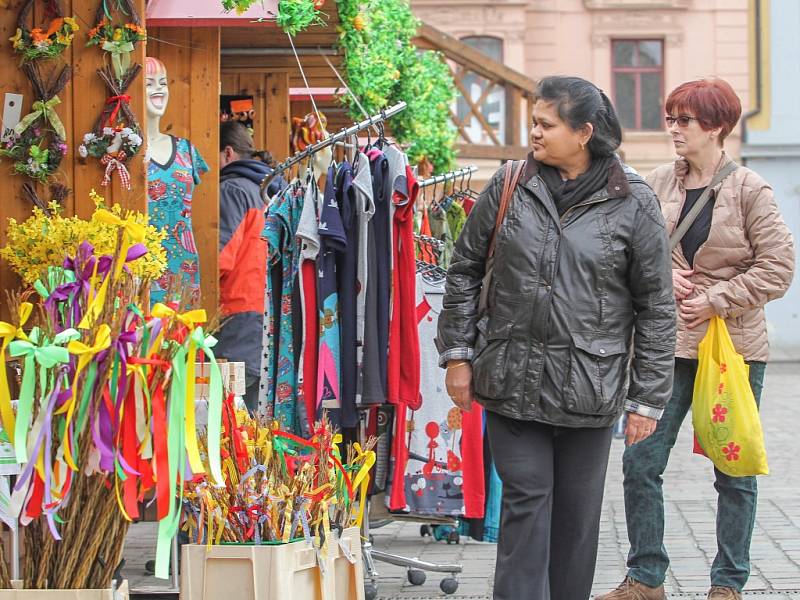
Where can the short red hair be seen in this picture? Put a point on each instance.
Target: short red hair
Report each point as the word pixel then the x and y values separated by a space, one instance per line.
pixel 712 101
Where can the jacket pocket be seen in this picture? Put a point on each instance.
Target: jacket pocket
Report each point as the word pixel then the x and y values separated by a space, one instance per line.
pixel 490 359
pixel 597 377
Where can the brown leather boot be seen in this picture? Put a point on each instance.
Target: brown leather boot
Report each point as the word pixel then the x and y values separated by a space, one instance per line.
pixel 723 593
pixel 630 589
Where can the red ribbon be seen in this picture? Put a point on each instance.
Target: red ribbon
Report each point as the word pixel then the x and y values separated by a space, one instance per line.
pixel 115 111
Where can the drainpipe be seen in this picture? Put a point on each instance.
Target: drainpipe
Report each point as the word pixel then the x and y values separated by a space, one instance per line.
pixel 759 77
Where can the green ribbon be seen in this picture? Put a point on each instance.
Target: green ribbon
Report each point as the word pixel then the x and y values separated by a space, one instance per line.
pixel 168 527
pixel 205 343
pixel 120 56
pixel 44 110
pixel 47 356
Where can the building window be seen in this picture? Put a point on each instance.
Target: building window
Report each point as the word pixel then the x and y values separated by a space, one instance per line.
pixel 638 75
pixel 485 95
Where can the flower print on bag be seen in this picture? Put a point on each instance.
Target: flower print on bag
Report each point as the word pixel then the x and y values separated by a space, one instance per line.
pixel 731 451
pixel 718 414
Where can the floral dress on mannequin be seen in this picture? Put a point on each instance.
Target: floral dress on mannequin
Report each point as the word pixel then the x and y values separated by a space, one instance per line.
pixel 170 187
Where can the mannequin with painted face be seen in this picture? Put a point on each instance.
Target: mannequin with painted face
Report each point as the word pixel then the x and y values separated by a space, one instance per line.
pixel 173 170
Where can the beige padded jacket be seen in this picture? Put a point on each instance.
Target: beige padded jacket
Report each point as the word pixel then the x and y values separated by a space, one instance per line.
pixel 747 260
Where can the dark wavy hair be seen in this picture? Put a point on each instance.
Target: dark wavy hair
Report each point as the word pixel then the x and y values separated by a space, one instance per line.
pixel 235 135
pixel 579 102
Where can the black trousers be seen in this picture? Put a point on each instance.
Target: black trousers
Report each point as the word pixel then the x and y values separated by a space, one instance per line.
pixel 553 480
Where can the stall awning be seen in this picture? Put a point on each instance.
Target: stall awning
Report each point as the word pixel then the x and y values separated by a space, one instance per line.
pixel 205 13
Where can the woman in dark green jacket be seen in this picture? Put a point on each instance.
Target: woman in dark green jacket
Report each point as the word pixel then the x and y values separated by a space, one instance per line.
pixel 579 325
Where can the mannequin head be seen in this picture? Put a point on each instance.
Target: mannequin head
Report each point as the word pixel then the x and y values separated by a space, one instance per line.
pixel 157 89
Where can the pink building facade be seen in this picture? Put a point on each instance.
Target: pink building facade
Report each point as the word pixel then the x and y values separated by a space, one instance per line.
pixel 635 50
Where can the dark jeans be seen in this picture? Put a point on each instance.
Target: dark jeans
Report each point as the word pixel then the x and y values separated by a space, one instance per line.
pixel 251 392
pixel 644 465
pixel 552 497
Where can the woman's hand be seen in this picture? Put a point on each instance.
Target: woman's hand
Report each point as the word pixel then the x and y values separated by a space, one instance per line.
pixel 458 382
pixel 681 286
pixel 639 428
pixel 696 311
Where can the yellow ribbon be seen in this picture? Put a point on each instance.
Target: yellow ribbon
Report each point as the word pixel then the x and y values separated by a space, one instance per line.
pixel 190 319
pixel 85 354
pixel 133 233
pixel 361 480
pixel 8 332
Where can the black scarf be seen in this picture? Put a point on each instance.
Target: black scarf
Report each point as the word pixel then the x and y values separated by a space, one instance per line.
pixel 567 194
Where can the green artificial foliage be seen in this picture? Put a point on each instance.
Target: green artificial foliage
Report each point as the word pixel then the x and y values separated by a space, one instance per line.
pixel 382 67
pixel 293 16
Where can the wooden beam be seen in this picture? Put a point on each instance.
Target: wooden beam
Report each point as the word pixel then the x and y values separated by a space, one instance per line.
pixel 474 60
pixel 513 116
pixel 278 114
pixel 481 151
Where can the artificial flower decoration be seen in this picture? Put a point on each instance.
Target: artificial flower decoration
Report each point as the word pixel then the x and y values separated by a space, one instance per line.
pixel 37 144
pixel 118 40
pixel 116 137
pixel 42 43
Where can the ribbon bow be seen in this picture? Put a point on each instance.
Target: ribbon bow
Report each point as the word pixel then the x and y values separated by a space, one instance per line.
pixel 190 318
pixel 47 356
pixel 133 235
pixel 120 99
pixel 116 162
pixel 9 331
pixel 120 56
pixel 44 109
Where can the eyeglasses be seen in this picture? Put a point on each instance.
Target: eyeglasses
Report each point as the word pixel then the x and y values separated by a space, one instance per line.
pixel 682 120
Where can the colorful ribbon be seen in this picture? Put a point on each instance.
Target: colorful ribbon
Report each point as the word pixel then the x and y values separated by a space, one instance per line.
pixel 46 356
pixel 133 235
pixel 205 344
pixel 8 332
pixel 86 355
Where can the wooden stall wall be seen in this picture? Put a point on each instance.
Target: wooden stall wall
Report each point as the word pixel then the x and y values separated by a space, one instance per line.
pixel 191 56
pixel 81 102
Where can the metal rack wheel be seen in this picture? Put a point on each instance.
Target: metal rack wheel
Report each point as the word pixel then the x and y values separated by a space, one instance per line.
pixel 449 585
pixel 370 591
pixel 416 577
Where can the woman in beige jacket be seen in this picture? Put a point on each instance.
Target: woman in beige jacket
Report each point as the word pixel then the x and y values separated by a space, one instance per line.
pixel 737 255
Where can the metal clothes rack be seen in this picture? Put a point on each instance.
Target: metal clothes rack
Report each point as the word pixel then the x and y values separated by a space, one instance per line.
pixel 332 139
pixel 452 175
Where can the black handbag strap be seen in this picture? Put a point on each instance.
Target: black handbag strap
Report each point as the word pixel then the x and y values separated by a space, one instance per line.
pixel 692 215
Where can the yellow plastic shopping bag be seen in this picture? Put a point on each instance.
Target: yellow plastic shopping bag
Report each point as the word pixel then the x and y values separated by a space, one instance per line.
pixel 724 413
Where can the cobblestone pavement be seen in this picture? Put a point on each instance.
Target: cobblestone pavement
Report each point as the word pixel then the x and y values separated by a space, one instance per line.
pixel 690 512
pixel 690 507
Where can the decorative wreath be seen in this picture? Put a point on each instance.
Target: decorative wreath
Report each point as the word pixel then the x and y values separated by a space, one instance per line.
pixel 118 40
pixel 38 143
pixel 38 43
pixel 116 137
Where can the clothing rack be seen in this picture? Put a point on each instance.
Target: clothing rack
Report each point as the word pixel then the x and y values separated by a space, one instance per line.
pixel 437 179
pixel 332 139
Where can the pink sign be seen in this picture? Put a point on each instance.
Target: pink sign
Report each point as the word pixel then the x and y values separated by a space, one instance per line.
pixel 206 13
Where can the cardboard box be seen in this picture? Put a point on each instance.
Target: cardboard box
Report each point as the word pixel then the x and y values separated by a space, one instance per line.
pixel 233 375
pixel 20 594
pixel 274 572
